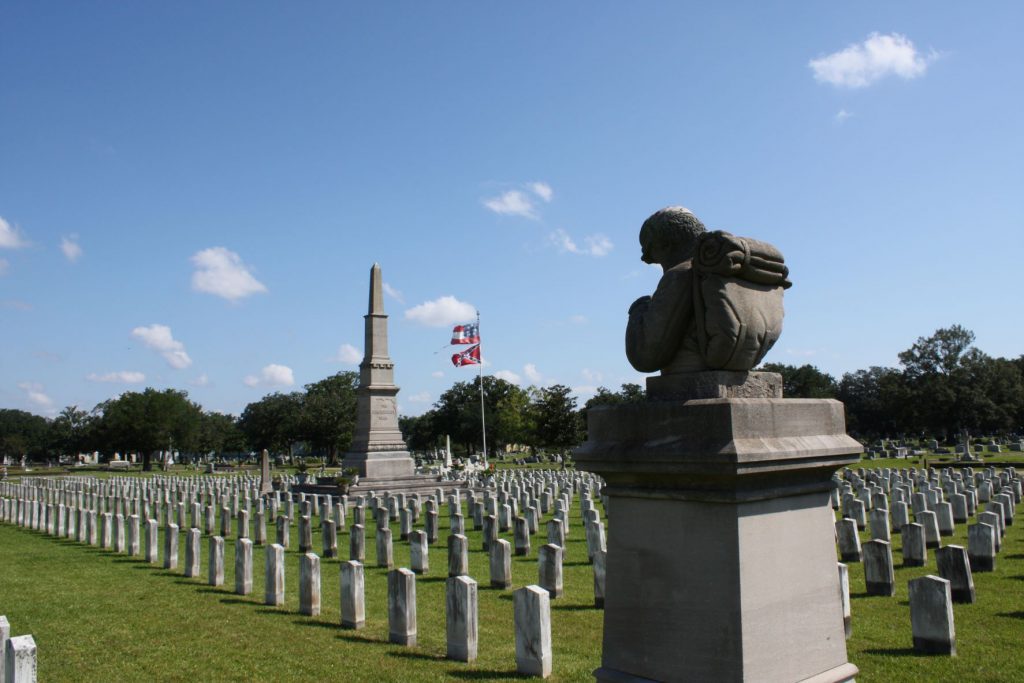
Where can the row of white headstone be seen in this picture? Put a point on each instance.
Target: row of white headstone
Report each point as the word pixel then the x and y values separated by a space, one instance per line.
pixel 931 597
pixel 532 615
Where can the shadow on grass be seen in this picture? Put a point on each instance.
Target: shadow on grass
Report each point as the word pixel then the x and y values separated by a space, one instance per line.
pixel 238 601
pixel 575 564
pixel 486 675
pixel 1015 556
pixel 129 560
pixel 431 579
pixel 410 654
pixel 571 608
pixel 896 652
pixel 275 611
pixel 317 624
pixel 1011 615
pixel 352 637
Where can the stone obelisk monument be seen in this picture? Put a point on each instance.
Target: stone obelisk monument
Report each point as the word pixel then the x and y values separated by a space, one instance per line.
pixel 378 451
pixel 721 553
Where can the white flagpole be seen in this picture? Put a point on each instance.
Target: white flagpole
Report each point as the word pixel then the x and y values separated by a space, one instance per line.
pixel 483 421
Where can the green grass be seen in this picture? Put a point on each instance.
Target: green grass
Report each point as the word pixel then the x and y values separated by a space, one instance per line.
pixel 96 615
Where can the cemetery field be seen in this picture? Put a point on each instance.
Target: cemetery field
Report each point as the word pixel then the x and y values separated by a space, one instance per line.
pixel 100 616
pixel 988 632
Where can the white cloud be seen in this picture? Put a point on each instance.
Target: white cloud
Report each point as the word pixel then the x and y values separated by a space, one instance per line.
pixel 10 237
pixel 158 337
pixel 221 271
pixel 842 115
pixel 272 375
pixel 508 376
pixel 530 370
pixel 348 354
pixel 594 245
pixel 71 248
pixel 121 377
pixel 542 190
pixel 592 376
pixel 393 293
pixel 16 305
pixel 511 203
pixel 201 381
pixel 36 394
pixel 422 397
pixel 446 310
pixel 861 64
pixel 437 373
pixel 578 319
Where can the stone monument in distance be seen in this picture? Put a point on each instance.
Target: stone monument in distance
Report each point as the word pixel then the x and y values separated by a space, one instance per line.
pixel 378 451
pixel 721 560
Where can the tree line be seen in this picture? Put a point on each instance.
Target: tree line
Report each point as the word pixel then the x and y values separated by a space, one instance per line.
pixel 943 386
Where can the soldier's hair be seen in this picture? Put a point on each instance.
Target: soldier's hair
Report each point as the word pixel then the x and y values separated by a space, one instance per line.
pixel 673 225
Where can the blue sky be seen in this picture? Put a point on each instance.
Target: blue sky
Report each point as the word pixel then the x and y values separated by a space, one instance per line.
pixel 192 194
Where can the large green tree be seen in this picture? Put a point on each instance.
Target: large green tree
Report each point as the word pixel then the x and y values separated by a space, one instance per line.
pixel 457 413
pixel 150 421
pixel 274 422
pixel 22 433
pixel 559 426
pixel 805 381
pixel 328 417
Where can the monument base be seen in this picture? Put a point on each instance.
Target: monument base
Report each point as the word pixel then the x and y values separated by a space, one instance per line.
pixel 721 551
pixel 381 464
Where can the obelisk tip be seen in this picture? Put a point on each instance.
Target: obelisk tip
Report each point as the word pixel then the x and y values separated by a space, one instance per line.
pixel 376 290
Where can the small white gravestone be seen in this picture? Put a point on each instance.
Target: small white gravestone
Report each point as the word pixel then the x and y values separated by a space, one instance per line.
pixel 532 610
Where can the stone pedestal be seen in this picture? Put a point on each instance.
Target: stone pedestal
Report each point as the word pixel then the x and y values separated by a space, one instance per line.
pixel 721 561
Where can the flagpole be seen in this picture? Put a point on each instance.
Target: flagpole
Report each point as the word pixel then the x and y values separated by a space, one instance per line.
pixel 483 421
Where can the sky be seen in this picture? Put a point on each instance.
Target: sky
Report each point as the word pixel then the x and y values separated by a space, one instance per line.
pixel 192 194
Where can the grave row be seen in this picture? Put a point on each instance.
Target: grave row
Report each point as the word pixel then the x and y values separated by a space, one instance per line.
pixel 882 502
pixel 496 511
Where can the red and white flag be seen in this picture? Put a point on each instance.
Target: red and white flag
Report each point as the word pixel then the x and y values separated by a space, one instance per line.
pixel 470 356
pixel 466 334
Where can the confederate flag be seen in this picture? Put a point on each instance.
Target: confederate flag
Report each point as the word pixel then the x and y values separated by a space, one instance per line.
pixel 470 356
pixel 466 334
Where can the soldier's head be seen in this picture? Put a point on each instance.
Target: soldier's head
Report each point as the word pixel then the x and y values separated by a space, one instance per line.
pixel 669 236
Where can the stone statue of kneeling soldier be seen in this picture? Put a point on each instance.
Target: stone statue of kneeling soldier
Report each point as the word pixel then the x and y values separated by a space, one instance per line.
pixel 718 307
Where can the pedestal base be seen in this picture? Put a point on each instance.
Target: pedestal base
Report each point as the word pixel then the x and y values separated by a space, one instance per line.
pixel 381 465
pixel 721 553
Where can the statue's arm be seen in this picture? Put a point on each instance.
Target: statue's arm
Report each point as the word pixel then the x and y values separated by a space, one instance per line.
pixel 657 323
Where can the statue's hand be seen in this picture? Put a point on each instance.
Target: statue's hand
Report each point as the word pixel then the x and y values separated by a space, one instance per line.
pixel 639 305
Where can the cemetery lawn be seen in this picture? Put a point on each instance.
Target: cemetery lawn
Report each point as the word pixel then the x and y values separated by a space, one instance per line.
pixel 96 615
pixel 988 632
pixel 99 616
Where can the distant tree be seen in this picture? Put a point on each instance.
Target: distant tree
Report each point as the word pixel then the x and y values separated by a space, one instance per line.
pixel 419 431
pixel 273 422
pixel 457 413
pixel 875 401
pixel 940 354
pixel 805 381
pixel 70 430
pixel 629 393
pixel 328 417
pixel 219 433
pixel 22 433
pixel 150 421
pixel 559 426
